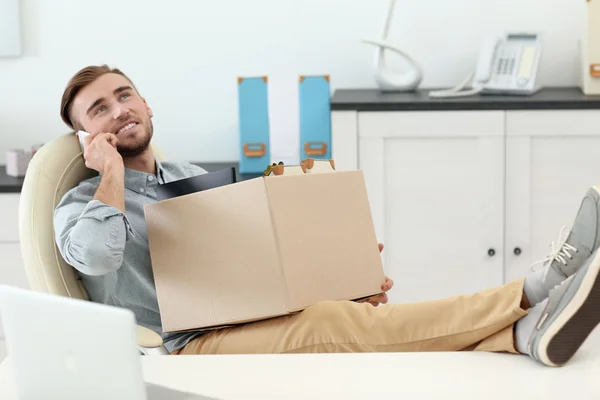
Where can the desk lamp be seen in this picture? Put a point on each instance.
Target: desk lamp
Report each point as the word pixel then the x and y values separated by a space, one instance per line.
pixel 389 81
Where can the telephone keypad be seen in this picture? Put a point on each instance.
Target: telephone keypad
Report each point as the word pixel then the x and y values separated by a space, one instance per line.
pixel 505 67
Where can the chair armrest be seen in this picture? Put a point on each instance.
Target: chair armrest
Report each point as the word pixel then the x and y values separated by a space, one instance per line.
pixel 147 337
pixel 149 342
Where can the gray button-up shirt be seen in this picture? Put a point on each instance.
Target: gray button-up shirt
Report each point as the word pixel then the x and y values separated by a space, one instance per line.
pixel 110 249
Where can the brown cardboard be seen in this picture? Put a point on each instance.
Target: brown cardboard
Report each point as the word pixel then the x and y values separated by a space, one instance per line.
pixel 262 248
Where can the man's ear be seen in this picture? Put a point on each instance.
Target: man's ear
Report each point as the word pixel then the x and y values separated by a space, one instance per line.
pixel 150 113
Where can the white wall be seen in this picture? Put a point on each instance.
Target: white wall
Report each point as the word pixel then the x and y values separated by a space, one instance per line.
pixel 185 55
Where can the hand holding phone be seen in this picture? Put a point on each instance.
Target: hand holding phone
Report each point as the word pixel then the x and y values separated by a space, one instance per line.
pixel 99 150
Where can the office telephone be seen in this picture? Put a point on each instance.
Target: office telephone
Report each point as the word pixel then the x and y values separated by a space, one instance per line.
pixel 506 65
pixel 81 137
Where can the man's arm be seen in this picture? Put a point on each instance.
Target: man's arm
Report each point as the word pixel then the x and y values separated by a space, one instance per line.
pixel 90 225
pixel 90 234
pixel 111 190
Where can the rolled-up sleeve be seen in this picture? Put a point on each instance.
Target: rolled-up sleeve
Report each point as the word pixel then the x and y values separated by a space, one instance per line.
pixel 90 234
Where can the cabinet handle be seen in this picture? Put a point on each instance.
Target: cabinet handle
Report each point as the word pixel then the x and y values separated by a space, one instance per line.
pixel 491 252
pixel 517 251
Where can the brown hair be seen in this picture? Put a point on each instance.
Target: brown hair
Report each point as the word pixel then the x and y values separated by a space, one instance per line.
pixel 80 80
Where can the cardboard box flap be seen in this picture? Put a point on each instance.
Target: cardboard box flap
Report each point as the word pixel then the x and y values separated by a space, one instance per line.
pixel 200 269
pixel 317 268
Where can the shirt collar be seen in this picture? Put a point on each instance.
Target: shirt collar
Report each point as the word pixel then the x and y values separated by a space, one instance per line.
pixel 134 180
pixel 160 172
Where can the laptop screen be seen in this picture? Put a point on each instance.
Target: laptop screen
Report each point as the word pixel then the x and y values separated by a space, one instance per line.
pixel 197 183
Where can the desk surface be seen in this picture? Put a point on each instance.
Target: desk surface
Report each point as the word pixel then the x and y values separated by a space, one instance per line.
pixel 370 376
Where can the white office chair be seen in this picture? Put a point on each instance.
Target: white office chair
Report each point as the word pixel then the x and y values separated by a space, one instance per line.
pixel 56 168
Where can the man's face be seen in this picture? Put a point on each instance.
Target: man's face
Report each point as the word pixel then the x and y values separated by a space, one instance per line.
pixel 110 104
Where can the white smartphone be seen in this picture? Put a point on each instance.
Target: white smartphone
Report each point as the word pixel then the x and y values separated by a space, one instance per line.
pixel 82 135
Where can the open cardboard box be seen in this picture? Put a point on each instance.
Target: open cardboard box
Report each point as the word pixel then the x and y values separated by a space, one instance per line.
pixel 262 248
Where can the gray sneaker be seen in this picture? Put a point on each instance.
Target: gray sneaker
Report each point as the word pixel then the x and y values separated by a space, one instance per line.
pixel 570 252
pixel 572 312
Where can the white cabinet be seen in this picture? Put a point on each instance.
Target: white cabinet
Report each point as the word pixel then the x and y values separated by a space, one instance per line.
pixel 465 200
pixel 9 212
pixel 11 263
pixel 551 161
pixel 12 271
pixel 433 180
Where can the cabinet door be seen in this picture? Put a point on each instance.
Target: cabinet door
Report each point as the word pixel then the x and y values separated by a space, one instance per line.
pixel 551 161
pixel 12 272
pixel 436 182
pixel 9 211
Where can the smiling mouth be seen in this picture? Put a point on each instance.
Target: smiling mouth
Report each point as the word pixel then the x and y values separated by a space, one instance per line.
pixel 126 128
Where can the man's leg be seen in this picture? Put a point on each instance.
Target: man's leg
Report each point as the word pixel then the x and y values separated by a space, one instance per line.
pixel 452 324
pixel 551 332
pixel 566 309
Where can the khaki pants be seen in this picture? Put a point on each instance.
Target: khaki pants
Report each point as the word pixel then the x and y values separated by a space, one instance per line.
pixel 482 321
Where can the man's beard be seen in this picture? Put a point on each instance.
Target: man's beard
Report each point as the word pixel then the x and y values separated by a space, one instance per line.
pixel 138 148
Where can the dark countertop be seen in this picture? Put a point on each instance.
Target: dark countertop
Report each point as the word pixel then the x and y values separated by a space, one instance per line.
pixel 568 98
pixel 9 184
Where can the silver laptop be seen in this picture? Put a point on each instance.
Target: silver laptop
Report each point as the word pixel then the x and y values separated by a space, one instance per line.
pixel 62 348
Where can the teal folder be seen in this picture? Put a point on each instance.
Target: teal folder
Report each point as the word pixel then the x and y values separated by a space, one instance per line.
pixel 253 113
pixel 315 117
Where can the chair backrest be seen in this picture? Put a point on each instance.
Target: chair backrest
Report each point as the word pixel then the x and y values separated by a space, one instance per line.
pixel 54 169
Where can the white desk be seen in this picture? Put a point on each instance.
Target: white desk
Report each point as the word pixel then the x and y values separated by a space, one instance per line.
pixel 370 376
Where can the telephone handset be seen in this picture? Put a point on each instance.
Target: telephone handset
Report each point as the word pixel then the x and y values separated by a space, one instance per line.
pixel 81 136
pixel 507 65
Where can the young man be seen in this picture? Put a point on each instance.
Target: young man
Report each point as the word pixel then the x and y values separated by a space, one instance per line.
pixel 100 230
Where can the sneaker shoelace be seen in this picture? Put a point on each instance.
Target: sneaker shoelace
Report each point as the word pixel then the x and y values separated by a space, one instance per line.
pixel 560 251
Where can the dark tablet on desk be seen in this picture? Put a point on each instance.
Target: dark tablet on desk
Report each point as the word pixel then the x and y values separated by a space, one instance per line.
pixel 195 184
